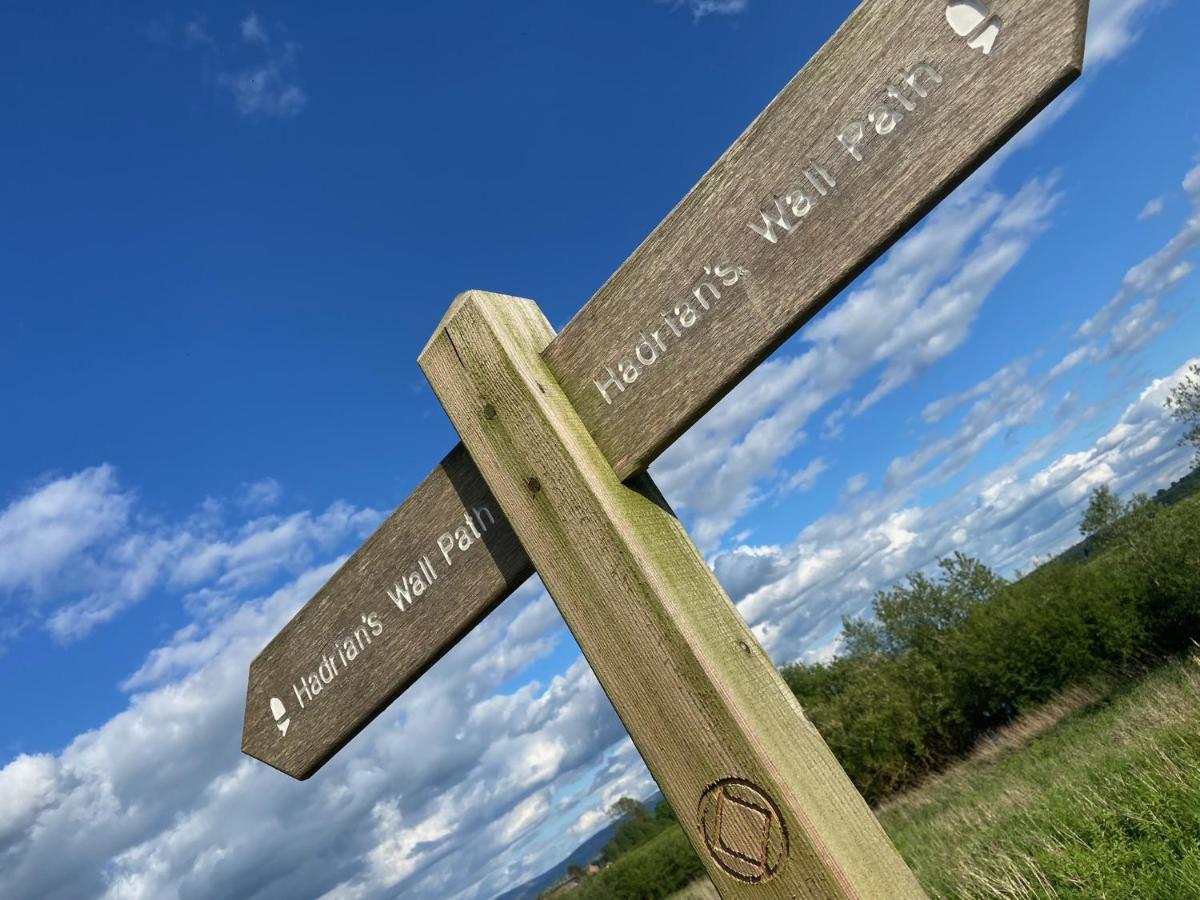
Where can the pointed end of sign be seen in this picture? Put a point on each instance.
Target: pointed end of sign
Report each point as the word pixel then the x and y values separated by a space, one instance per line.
pixel 266 726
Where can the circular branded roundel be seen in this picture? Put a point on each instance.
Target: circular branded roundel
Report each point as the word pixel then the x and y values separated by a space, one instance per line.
pixel 743 830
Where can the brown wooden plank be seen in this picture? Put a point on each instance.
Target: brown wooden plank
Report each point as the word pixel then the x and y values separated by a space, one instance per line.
pixel 852 210
pixel 768 809
pixel 431 539
pixel 767 290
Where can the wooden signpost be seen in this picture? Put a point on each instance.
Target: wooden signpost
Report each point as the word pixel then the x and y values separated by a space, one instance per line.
pixel 903 102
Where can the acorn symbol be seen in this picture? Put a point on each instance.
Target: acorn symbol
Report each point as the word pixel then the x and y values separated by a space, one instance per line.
pixel 976 22
pixel 279 711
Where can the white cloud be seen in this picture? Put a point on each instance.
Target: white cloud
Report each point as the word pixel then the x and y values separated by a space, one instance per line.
pixel 1112 28
pixel 589 822
pixel 804 479
pixel 55 523
pixel 25 785
pixel 1154 276
pixel 259 71
pixel 702 8
pixel 913 309
pixel 253 31
pixel 856 484
pixel 77 551
pixel 795 595
pixel 449 779
pixel 260 495
pixel 271 87
pixel 1152 208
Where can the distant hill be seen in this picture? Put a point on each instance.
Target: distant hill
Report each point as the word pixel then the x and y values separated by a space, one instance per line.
pixel 585 853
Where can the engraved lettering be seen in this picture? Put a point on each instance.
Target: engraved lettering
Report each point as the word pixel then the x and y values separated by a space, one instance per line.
pixel 611 381
pixel 629 371
pixel 654 345
pixel 302 686
pixel 698 293
pixel 800 204
pixel 926 70
pixel 886 115
pixel 852 137
pixel 898 95
pixel 479 512
pixel 463 535
pixel 885 119
pixel 403 593
pixel 772 221
pixel 445 543
pixel 650 357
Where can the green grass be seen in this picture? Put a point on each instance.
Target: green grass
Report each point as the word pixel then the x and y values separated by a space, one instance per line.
pixel 1105 805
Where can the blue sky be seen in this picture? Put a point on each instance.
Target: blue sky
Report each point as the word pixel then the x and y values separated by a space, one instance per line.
pixel 233 227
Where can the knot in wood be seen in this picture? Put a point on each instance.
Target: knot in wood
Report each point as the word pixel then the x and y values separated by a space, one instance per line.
pixel 534 485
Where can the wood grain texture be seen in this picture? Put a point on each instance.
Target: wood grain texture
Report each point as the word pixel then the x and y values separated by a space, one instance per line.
pixel 410 640
pixel 977 105
pixel 765 804
pixel 980 101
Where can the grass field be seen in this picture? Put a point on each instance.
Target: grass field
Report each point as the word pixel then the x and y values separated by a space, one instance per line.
pixel 1104 805
pixel 1097 795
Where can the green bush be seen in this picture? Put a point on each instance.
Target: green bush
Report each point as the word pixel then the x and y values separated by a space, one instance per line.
pixel 946 659
pixel 657 868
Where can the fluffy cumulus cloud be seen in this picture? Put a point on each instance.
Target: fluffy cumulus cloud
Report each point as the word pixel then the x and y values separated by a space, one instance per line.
pixel 451 778
pixel 795 596
pixel 55 522
pixel 76 551
pixel 915 308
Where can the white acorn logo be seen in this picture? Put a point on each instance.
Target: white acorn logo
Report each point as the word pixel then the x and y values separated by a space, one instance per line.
pixel 279 711
pixel 976 22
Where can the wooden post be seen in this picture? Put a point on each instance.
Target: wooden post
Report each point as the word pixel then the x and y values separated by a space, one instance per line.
pixel 767 807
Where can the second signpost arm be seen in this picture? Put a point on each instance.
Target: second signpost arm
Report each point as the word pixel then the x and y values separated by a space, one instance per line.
pixel 763 801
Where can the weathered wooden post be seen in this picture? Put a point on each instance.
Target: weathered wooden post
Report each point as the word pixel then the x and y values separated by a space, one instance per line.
pixel 765 804
pixel 904 101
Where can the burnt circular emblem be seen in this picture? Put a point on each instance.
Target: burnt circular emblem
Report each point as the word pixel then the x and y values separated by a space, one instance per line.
pixel 743 830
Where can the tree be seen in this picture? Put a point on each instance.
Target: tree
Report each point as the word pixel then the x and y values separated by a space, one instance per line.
pixel 1184 405
pixel 915 617
pixel 1103 511
pixel 575 873
pixel 636 826
pixel 628 808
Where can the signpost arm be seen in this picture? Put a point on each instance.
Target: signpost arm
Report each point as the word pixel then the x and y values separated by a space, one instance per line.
pixel 767 807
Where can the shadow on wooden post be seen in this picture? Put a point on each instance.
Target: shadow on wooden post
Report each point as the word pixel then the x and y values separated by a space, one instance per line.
pixel 767 807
